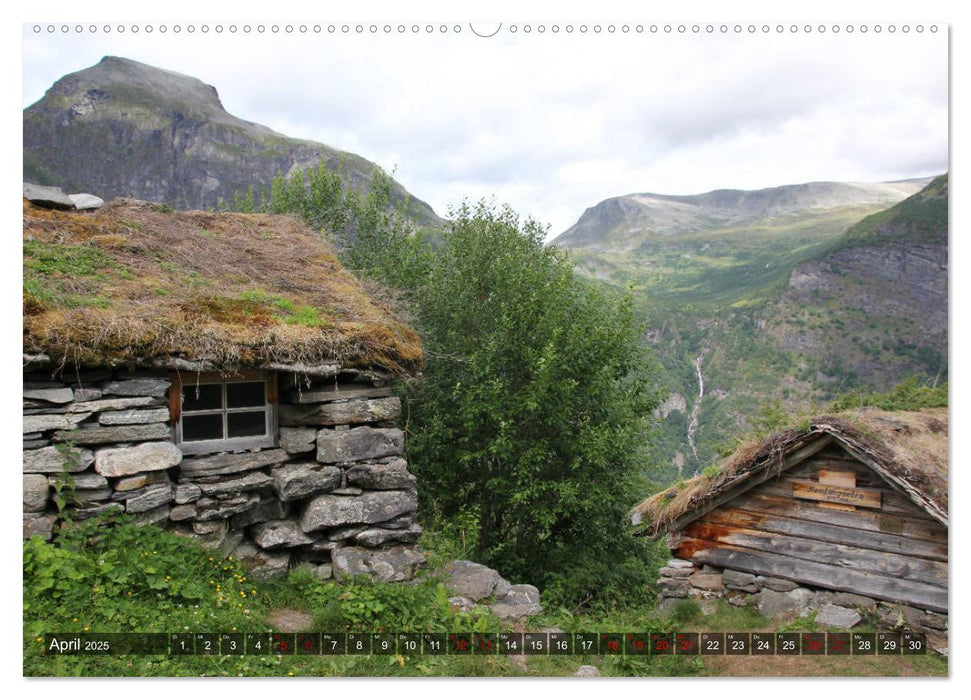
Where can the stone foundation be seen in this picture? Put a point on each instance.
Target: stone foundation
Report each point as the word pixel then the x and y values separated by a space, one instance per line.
pixel 683 580
pixel 334 494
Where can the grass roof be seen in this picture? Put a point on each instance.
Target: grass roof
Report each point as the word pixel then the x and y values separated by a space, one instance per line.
pixel 908 448
pixel 138 283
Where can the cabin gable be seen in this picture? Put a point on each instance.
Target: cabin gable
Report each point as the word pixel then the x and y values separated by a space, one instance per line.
pixel 790 527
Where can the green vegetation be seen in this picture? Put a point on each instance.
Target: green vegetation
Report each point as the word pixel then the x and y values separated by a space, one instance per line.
pixel 57 275
pixel 535 387
pixel 111 575
pixel 913 394
pixel 532 413
pixel 921 218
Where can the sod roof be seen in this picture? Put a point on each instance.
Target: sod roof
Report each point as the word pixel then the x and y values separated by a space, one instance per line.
pixel 140 284
pixel 907 448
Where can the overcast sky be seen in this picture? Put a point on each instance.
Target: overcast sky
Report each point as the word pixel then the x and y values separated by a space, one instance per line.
pixel 555 123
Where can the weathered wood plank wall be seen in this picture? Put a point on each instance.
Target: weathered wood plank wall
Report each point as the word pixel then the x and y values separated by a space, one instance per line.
pixel 895 552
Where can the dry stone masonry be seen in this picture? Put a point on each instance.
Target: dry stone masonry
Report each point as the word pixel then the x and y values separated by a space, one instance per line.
pixel 684 580
pixel 335 494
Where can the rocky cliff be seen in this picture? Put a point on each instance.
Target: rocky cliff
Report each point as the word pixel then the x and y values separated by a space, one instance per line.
pixel 126 129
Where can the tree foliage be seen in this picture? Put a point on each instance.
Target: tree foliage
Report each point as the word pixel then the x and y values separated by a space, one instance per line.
pixel 531 419
pixel 532 412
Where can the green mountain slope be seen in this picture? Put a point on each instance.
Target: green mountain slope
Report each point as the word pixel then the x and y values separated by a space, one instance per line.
pixel 786 295
pixel 123 128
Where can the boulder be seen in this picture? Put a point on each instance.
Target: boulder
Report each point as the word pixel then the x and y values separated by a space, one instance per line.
pixel 376 536
pixel 41 422
pixel 108 404
pixel 50 395
pixel 772 603
pixel 471 580
pixel 667 572
pixel 212 509
pixel 115 433
pixel 86 394
pixel 461 603
pixel 740 581
pixel 40 525
pixel 324 571
pixel 36 491
pixel 522 600
pixel 341 413
pixel 138 481
pixel 187 493
pixel 337 393
pixel 134 417
pixel 47 197
pixel 347 491
pixel 88 496
pixel 679 564
pixel 587 671
pixel 185 511
pixel 54 460
pixel 297 440
pixel 153 497
pixel 852 600
pixel 145 386
pixel 294 481
pixel 135 459
pixel 358 444
pixel 262 565
pixel 86 202
pixel 153 516
pixel 270 508
pixel 896 616
pixel 778 584
pixel 279 533
pixel 399 563
pixel 706 581
pixel 393 475
pixel 231 463
pixel 369 508
pixel 836 616
pixel 85 511
pixel 84 480
pixel 934 621
pixel 235 485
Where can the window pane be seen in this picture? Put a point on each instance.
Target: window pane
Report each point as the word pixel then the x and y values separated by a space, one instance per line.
pixel 247 424
pixel 202 397
pixel 245 394
pixel 204 427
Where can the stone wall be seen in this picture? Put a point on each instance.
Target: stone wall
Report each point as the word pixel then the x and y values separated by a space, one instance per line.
pixel 335 495
pixel 684 580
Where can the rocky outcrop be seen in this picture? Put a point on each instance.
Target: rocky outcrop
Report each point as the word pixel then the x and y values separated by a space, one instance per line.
pixel 470 584
pixel 165 137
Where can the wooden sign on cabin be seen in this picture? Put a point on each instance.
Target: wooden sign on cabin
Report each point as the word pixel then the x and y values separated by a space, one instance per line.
pixel 837 488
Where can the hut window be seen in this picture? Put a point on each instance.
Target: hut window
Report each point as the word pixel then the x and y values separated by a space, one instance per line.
pixel 215 413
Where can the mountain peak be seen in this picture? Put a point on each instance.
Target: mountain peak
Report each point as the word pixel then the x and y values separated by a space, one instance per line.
pixel 129 83
pixel 121 128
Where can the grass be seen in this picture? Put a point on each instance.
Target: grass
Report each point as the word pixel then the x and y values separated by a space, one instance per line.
pixel 129 578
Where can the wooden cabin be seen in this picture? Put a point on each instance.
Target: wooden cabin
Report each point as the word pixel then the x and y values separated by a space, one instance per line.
pixel 850 508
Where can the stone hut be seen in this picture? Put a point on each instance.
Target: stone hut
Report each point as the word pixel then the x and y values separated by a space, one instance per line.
pixel 220 375
pixel 844 516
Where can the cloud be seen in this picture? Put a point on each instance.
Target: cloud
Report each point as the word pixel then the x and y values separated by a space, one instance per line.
pixel 555 124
